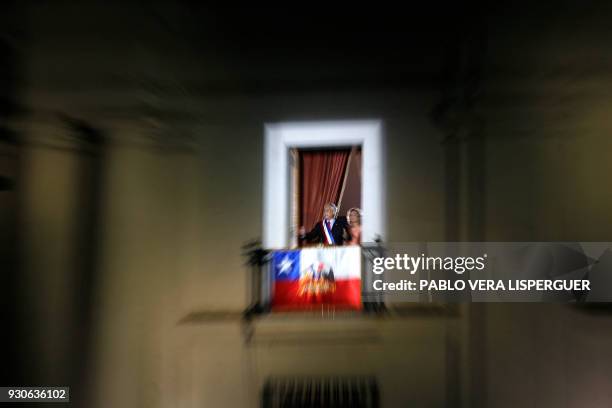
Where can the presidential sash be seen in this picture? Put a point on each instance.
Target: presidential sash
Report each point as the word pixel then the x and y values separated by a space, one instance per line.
pixel 329 238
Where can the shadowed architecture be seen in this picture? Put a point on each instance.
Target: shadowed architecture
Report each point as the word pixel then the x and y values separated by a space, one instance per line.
pixel 132 177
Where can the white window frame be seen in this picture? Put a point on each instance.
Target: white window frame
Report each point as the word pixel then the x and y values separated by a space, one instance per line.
pixel 280 137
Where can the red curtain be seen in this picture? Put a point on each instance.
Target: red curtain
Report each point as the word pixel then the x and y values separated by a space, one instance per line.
pixel 322 175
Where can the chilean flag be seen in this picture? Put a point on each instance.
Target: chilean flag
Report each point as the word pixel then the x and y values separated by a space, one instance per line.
pixel 310 277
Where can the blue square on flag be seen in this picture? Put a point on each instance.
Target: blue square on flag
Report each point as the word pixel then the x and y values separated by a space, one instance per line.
pixel 286 265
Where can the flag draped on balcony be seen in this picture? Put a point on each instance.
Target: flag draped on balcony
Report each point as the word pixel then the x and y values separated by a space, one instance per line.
pixel 310 277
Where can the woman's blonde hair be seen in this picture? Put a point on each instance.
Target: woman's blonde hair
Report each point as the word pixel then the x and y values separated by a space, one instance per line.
pixel 357 210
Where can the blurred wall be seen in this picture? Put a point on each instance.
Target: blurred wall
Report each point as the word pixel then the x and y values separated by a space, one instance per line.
pixel 545 107
pixel 520 155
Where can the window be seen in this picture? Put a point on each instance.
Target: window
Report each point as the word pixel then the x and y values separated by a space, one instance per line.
pixel 281 138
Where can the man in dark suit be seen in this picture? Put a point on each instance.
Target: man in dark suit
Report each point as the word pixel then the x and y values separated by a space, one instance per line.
pixel 329 231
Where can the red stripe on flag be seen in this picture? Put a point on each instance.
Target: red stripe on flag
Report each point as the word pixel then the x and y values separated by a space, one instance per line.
pixel 347 294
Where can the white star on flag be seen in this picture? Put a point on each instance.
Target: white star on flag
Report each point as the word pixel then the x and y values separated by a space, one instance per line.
pixel 285 265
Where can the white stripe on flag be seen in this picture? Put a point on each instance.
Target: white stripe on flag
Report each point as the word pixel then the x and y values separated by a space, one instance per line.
pixel 344 261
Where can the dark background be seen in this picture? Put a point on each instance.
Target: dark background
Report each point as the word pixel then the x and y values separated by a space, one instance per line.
pixel 131 140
